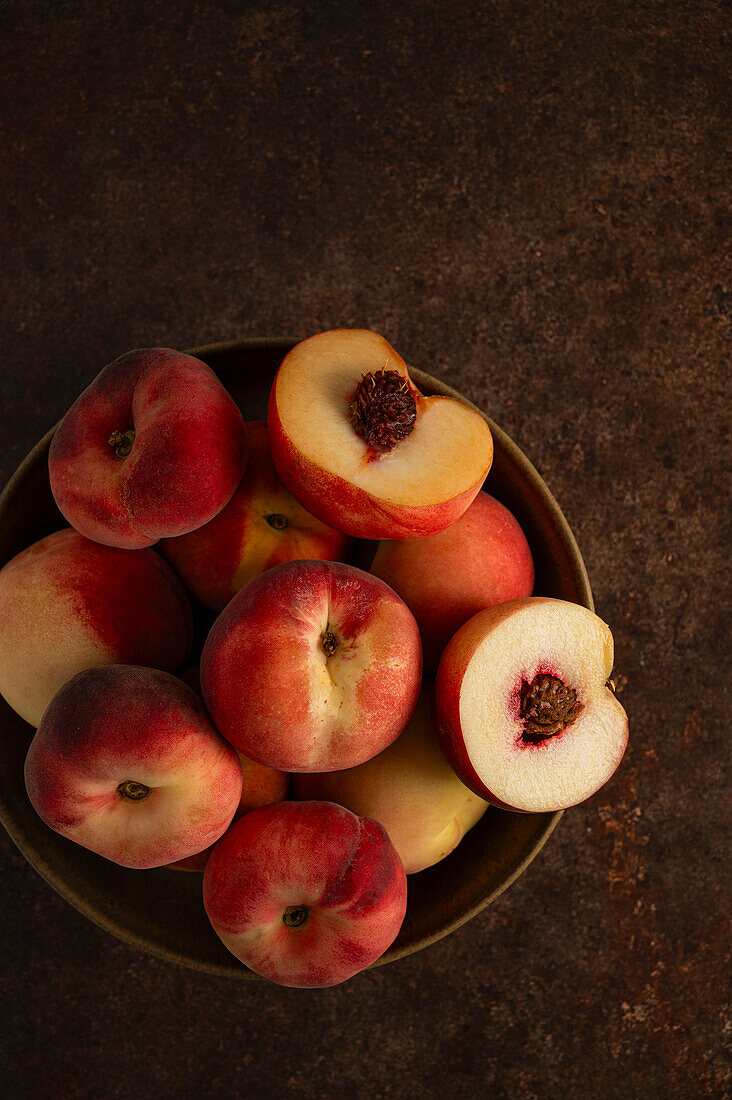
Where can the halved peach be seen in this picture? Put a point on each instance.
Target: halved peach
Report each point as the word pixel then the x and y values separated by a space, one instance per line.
pixel 362 449
pixel 525 708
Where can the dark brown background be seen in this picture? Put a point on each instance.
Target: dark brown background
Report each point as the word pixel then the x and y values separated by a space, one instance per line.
pixel 529 200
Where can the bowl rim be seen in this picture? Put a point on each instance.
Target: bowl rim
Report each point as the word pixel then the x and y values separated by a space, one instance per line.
pixel 134 939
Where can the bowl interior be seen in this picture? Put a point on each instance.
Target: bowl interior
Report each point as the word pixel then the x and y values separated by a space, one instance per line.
pixel 161 911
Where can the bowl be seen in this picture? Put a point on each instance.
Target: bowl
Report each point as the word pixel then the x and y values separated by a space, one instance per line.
pixel 160 911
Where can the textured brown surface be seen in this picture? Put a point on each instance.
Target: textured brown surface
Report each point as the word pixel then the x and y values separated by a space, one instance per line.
pixel 531 201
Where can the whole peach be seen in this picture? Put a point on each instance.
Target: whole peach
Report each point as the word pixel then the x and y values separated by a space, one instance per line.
pixel 313 666
pixel 67 603
pixel 305 893
pixel 127 763
pixel 154 447
pixel 261 526
pixel 481 560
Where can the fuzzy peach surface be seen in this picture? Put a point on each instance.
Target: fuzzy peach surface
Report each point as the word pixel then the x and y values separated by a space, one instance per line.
pixel 261 526
pixel 118 724
pixel 410 788
pixel 480 560
pixel 276 695
pixel 67 603
pixel 260 785
pixel 187 458
pixel 341 869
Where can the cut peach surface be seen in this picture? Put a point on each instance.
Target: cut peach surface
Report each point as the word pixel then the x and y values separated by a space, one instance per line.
pixel 398 466
pixel 525 712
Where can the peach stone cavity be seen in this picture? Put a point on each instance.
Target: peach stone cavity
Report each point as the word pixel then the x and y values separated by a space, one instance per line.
pixel 424 466
pixel 539 727
pixel 356 441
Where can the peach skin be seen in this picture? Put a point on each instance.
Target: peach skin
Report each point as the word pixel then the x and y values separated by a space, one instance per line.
pixel 410 788
pixel 261 526
pixel 153 448
pixel 67 603
pixel 127 763
pixel 480 560
pixel 306 894
pixel 314 666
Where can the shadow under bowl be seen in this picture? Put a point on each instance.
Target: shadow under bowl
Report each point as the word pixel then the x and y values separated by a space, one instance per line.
pixel 161 911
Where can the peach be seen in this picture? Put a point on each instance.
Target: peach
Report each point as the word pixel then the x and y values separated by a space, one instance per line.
pixel 260 786
pixel 153 448
pixel 480 560
pixel 127 763
pixel 525 709
pixel 314 666
pixel 67 603
pixel 361 448
pixel 305 894
pixel 410 788
pixel 261 526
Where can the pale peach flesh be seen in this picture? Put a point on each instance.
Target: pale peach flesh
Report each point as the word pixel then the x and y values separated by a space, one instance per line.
pixel 495 750
pixel 419 487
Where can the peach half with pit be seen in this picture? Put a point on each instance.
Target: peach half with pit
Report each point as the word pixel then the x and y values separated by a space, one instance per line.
pixel 153 448
pixel 361 448
pixel 526 713
pixel 306 894
pixel 127 763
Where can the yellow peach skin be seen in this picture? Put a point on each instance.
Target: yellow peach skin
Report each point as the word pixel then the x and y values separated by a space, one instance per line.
pixel 410 788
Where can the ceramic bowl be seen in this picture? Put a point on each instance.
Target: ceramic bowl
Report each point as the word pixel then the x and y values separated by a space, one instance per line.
pixel 160 911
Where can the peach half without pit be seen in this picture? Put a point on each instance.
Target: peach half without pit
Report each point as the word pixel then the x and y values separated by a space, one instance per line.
pixel 361 448
pixel 525 710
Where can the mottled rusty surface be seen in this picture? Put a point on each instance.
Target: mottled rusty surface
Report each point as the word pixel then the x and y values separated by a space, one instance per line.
pixel 532 201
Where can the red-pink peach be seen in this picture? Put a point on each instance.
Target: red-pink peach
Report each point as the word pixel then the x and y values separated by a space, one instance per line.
pixel 153 448
pixel 127 763
pixel 314 666
pixel 305 894
pixel 67 603
pixel 481 560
